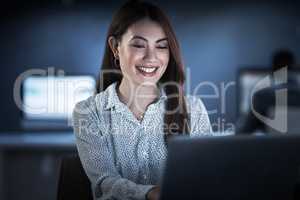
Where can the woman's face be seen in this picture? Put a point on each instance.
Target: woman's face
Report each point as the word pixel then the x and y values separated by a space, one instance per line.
pixel 143 53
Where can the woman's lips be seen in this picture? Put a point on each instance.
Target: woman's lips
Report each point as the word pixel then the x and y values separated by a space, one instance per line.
pixel 147 71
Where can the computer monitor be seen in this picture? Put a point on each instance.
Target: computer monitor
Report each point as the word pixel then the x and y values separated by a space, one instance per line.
pixel 247 78
pixel 52 98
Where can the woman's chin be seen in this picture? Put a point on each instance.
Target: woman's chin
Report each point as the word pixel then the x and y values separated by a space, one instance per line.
pixel 147 81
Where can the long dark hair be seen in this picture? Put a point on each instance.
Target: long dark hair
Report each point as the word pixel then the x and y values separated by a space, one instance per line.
pixel 176 109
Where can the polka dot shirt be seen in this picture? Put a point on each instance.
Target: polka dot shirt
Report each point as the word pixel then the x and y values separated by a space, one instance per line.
pixel 122 156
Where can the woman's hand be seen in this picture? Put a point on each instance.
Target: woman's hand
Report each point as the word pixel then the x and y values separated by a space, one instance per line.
pixel 153 194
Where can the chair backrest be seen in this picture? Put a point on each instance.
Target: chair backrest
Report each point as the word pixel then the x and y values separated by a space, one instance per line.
pixel 73 182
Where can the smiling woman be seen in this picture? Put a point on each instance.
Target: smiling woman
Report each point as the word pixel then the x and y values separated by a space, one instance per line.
pixel 153 43
pixel 122 131
pixel 143 55
pixel 141 48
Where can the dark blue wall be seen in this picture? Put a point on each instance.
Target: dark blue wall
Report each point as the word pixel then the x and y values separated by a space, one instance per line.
pixel 217 38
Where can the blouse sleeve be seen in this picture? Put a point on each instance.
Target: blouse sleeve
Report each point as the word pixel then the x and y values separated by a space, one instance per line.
pixel 200 123
pixel 98 159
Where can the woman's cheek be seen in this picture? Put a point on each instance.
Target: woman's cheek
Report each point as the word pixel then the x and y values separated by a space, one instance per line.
pixel 164 57
pixel 135 53
pixel 137 58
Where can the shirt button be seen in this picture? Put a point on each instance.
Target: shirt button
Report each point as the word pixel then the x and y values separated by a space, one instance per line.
pixel 145 154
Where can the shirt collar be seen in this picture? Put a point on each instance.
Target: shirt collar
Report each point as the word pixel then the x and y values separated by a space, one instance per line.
pixel 114 101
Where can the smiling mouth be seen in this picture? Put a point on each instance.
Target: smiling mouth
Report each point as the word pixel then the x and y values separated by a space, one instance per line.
pixel 147 70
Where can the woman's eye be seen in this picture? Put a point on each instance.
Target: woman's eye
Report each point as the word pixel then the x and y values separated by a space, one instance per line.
pixel 162 47
pixel 138 46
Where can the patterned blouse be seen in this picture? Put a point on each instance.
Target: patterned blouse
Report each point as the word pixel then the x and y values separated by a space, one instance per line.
pixel 122 156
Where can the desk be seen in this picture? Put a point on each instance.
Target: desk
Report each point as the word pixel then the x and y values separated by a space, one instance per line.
pixel 31 159
pixel 37 140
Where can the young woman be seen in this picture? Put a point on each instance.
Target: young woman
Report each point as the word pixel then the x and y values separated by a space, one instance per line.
pixel 122 131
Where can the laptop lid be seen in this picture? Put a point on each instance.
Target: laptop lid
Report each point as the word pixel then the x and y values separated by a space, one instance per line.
pixel 232 167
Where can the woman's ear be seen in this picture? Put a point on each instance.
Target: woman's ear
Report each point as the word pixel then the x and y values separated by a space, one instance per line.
pixel 113 44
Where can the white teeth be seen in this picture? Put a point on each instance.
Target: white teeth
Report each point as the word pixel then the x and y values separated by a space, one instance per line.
pixel 148 69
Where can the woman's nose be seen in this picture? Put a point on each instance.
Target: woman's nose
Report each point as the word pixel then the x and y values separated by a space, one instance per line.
pixel 150 55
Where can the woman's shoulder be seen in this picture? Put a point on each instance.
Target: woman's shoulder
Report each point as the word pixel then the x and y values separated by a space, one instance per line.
pixel 89 114
pixel 85 105
pixel 94 104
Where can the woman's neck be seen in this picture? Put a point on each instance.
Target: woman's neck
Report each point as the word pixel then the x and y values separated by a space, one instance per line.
pixel 137 97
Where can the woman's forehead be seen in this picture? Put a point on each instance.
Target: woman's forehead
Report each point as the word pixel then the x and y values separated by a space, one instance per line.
pixel 146 28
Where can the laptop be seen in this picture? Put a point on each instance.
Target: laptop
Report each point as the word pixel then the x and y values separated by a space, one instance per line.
pixel 232 167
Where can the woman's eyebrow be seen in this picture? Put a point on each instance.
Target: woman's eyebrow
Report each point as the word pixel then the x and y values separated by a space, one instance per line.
pixel 160 40
pixel 139 37
pixel 142 38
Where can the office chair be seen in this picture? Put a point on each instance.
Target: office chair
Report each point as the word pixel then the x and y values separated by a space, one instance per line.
pixel 73 182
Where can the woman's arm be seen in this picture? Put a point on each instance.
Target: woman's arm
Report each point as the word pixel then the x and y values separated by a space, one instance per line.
pixel 97 158
pixel 200 123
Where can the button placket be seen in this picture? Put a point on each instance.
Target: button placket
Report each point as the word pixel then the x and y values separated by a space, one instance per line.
pixel 145 159
pixel 147 120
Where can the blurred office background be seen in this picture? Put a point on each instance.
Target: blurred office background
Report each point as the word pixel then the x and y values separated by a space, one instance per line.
pixel 218 39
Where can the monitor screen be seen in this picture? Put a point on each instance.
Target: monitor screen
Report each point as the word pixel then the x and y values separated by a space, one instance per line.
pixel 54 97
